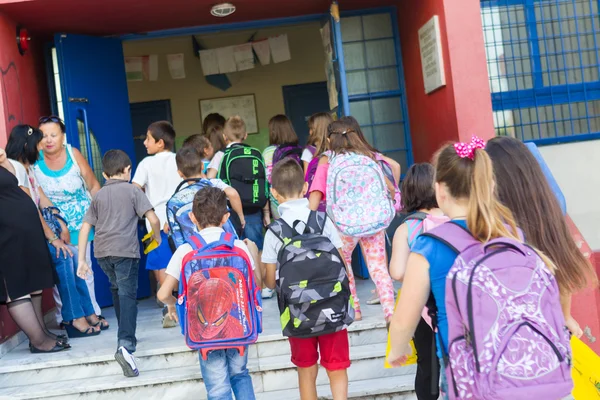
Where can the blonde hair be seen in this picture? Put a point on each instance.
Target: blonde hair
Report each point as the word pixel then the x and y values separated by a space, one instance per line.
pixel 235 128
pixel 318 123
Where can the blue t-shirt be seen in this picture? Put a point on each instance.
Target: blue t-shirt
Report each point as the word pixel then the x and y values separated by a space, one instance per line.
pixel 440 258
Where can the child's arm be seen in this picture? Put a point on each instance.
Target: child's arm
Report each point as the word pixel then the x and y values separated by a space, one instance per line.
pixel 211 173
pixel 236 203
pixel 319 184
pixel 267 213
pixel 270 270
pixel 165 294
pixel 83 270
pixel 400 253
pixel 396 169
pixel 155 224
pixel 256 259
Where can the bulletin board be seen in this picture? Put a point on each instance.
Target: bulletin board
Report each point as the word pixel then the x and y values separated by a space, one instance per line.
pixel 244 106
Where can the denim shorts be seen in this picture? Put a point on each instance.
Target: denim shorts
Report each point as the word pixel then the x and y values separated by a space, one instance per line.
pixel 254 229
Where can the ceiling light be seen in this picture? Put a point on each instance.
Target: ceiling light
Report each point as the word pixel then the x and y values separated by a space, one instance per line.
pixel 222 10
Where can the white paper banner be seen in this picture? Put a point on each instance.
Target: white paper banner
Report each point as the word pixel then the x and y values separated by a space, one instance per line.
pixel 176 65
pixel 226 60
pixel 209 62
pixel 263 51
pixel 244 57
pixel 280 48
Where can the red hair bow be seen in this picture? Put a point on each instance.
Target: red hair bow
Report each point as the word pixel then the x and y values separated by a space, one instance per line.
pixel 467 150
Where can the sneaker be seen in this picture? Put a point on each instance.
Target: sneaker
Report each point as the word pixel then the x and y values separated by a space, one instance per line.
pixel 167 322
pixel 267 293
pixel 127 362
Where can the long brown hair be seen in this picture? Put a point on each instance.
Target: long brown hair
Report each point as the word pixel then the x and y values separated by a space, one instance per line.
pixel 343 138
pixel 523 188
pixel 215 136
pixel 281 131
pixel 317 124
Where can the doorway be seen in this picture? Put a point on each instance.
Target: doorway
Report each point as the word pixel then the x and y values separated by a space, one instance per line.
pixel 302 101
pixel 142 115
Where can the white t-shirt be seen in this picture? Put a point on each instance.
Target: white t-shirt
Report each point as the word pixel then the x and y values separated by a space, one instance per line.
pixel 158 176
pixel 20 173
pixel 209 235
pixel 291 211
pixel 307 155
pixel 215 163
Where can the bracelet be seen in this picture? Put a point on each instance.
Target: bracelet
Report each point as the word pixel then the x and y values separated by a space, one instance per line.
pixel 55 238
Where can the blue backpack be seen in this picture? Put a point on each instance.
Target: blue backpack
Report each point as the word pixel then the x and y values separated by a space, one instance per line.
pixel 219 304
pixel 179 207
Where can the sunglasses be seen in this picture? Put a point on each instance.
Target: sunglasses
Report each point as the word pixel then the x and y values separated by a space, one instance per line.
pixel 51 118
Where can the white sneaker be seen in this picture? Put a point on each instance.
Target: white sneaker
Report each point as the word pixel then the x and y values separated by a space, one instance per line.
pixel 267 293
pixel 167 322
pixel 127 362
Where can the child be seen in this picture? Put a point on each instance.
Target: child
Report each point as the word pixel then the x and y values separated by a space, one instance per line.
pixel 317 139
pixel 344 141
pixel 246 175
pixel 289 189
pixel 189 166
pixel 114 213
pixel 418 197
pixel 281 133
pixel 217 141
pixel 203 147
pixel 223 370
pixel 465 191
pixel 157 176
pixel 520 181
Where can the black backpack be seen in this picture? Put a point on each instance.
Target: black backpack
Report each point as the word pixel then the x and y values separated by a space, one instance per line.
pixel 243 168
pixel 313 289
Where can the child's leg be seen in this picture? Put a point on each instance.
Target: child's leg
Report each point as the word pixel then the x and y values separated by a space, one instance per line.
pixel 239 377
pixel 335 358
pixel 216 375
pixel 376 259
pixel 425 379
pixel 126 273
pixel 349 246
pixel 305 356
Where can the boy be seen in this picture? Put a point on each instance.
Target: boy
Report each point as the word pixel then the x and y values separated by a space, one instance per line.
pixel 114 212
pixel 157 176
pixel 224 370
pixel 189 166
pixel 204 148
pixel 255 216
pixel 288 187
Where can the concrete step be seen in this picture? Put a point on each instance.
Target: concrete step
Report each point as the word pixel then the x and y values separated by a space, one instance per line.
pixel 269 374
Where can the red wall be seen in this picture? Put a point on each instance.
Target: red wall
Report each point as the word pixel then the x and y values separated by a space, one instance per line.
pixel 463 107
pixel 23 99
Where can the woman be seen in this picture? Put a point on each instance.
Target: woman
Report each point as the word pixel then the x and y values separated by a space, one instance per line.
pixel 77 312
pixel 25 265
pixel 523 188
pixel 69 182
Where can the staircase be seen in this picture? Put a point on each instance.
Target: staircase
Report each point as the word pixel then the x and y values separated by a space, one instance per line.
pixel 169 370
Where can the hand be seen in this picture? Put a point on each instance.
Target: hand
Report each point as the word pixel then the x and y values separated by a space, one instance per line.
pixel 266 219
pixel 251 246
pixel 242 221
pixel 61 247
pixel 172 313
pixel 166 229
pixel 83 270
pixel 65 236
pixel 399 358
pixel 158 238
pixel 574 327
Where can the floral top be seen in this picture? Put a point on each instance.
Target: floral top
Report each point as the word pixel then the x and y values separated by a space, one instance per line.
pixel 67 190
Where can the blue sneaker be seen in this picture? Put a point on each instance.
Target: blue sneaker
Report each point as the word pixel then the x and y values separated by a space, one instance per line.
pixel 127 362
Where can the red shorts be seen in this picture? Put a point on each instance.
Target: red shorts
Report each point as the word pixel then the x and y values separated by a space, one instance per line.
pixel 334 348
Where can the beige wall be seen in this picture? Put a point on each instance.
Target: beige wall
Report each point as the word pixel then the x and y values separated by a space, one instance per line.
pixel 265 82
pixel 575 167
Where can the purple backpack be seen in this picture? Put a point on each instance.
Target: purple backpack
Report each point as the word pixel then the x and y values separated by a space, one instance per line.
pixel 311 170
pixel 506 330
pixel 288 150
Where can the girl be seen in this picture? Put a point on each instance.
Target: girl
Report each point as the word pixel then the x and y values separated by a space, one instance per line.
pixel 418 200
pixel 523 188
pixel 203 147
pixel 344 139
pixel 317 139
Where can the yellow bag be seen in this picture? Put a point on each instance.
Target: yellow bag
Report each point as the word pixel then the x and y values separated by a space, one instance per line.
pixel 413 357
pixel 585 371
pixel 149 243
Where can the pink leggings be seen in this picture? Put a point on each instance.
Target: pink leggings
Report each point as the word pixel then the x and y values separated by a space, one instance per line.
pixel 373 248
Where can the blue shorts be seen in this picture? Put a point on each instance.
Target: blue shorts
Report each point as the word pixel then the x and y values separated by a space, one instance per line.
pixel 254 229
pixel 159 258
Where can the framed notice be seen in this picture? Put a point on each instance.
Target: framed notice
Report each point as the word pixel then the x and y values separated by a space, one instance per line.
pixel 244 106
pixel 432 60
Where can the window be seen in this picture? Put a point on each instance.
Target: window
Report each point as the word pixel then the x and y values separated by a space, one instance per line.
pixel 376 84
pixel 543 60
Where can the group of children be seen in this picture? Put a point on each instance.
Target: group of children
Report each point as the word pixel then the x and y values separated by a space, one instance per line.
pixel 484 191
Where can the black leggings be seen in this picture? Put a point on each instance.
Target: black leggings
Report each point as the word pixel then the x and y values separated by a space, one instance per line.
pixel 427 378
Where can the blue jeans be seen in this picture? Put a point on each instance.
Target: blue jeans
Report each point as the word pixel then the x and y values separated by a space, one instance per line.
pixel 74 294
pixel 224 371
pixel 123 273
pixel 254 229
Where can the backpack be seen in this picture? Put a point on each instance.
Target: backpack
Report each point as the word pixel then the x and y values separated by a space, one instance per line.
pixel 179 207
pixel 222 271
pixel 288 150
pixel 389 174
pixel 358 199
pixel 243 168
pixel 311 170
pixel 506 330
pixel 313 289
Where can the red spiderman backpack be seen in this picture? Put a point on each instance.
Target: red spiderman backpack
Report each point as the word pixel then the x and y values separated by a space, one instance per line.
pixel 219 304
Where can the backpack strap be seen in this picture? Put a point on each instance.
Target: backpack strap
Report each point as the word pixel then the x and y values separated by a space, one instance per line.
pixel 453 235
pixel 187 181
pixel 197 242
pixel 316 222
pixel 282 230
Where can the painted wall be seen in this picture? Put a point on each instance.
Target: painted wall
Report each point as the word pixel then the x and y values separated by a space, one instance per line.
pixel 306 66
pixel 574 165
pixel 463 107
pixel 23 99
